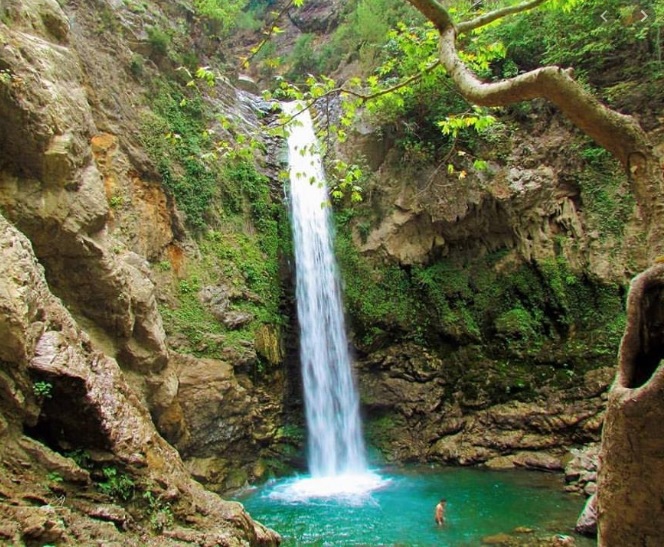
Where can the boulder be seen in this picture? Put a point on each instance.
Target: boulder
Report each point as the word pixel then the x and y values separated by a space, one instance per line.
pixel 587 521
pixel 581 469
pixel 317 15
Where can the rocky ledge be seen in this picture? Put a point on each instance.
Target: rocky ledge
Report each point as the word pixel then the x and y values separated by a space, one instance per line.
pixel 58 390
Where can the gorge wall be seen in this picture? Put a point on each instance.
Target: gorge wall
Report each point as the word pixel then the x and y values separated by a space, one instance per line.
pixel 90 387
pixel 513 282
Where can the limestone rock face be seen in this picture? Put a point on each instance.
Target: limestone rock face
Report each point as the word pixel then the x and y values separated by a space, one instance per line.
pixel 84 364
pixel 52 189
pixel 217 411
pixel 581 470
pixel 317 16
pixel 523 201
pixel 426 423
pixel 88 405
pixel 631 475
pixel 587 521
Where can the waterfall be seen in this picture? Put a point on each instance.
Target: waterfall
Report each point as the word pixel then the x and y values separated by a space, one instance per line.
pixel 335 444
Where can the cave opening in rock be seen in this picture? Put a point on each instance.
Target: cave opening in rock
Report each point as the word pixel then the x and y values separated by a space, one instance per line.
pixel 67 421
pixel 651 337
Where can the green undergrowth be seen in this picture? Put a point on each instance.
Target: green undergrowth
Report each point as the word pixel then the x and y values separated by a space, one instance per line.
pixel 241 232
pixel 175 137
pixel 527 314
pixel 145 500
pixel 607 201
pixel 242 256
pixel 246 265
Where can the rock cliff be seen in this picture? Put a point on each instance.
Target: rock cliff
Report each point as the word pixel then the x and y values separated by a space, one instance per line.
pixel 58 388
pixel 85 363
pixel 492 271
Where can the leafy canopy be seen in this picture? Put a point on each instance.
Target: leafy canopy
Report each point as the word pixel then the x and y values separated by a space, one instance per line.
pixel 223 13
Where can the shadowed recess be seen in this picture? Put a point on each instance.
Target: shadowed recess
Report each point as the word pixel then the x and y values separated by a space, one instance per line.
pixel 67 420
pixel 651 335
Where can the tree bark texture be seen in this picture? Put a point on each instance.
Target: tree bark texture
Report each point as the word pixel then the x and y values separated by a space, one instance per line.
pixel 631 478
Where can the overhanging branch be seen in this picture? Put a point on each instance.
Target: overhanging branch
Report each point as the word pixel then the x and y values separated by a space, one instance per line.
pixel 414 78
pixel 268 34
pixel 619 134
pixel 434 12
pixel 492 16
pixel 307 104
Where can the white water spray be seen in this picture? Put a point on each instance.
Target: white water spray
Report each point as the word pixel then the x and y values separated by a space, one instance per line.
pixel 335 444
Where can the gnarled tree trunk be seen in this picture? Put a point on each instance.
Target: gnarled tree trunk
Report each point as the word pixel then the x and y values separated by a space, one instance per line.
pixel 621 135
pixel 631 481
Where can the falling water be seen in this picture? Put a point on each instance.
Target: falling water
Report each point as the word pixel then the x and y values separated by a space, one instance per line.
pixel 335 444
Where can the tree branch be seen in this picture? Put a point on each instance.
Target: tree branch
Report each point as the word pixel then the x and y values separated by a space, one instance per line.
pixel 486 18
pixel 396 87
pixel 434 12
pixel 268 35
pixel 619 134
pixel 364 97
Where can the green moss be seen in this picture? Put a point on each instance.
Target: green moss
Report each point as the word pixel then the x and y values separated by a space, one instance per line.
pixel 251 232
pixel 380 430
pixel 378 299
pixel 238 261
pixel 243 256
pixel 175 137
pixel 159 40
pixel 515 323
pixel 607 202
pixel 198 325
pixel 539 313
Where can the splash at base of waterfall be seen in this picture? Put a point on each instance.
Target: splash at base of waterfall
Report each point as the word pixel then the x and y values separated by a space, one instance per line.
pixel 351 489
pixel 481 503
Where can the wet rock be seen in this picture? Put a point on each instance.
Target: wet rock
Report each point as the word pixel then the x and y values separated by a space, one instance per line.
pixel 217 299
pixel 111 513
pixel 43 526
pixel 497 539
pixel 523 530
pixel 237 319
pixel 54 462
pixel 412 387
pixel 247 83
pixel 61 204
pixel 581 470
pixel 218 409
pixel 269 344
pixel 587 521
pixel 538 461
